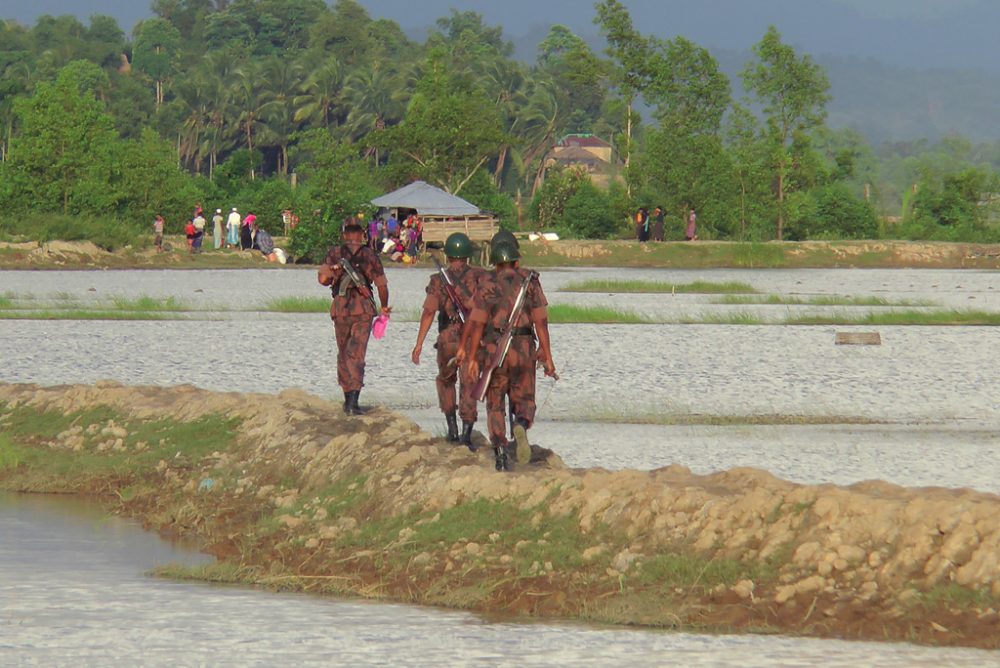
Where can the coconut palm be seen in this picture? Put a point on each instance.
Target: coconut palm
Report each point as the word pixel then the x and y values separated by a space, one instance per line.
pixel 320 95
pixel 541 121
pixel 375 99
pixel 282 81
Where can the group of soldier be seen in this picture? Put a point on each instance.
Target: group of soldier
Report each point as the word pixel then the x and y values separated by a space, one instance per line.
pixel 492 334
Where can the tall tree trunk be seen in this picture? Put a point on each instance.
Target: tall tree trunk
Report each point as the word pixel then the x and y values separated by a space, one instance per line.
pixel 501 162
pixel 781 202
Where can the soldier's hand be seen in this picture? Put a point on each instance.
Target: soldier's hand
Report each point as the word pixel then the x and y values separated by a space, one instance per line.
pixel 459 357
pixel 325 275
pixel 415 355
pixel 472 368
pixel 550 370
pixel 386 310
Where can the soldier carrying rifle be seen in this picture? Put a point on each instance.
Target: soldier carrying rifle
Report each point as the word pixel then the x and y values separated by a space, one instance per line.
pixel 449 297
pixel 350 270
pixel 509 312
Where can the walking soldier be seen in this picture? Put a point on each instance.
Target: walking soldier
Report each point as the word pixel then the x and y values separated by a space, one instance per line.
pixel 350 270
pixel 509 311
pixel 449 297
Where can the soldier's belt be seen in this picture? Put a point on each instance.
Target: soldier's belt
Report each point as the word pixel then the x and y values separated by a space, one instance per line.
pixel 517 331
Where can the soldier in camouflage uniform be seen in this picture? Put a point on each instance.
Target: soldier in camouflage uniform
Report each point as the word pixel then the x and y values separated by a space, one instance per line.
pixel 492 308
pixel 458 249
pixel 353 308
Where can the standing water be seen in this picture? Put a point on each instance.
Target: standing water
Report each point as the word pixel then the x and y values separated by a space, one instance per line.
pixel 918 410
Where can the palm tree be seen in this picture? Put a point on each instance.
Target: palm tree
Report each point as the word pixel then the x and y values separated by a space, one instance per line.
pixel 375 99
pixel 194 94
pixel 505 82
pixel 247 100
pixel 282 83
pixel 542 120
pixel 320 94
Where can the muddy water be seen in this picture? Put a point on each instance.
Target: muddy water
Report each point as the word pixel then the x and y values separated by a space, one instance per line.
pixel 73 593
pixel 931 390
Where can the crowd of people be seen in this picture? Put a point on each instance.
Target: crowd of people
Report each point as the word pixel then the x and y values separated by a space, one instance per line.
pixel 398 240
pixel 651 226
pixel 492 332
pixel 232 232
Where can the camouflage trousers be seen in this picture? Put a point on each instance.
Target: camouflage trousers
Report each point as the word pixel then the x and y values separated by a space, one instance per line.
pixel 352 346
pixel 516 378
pixel 448 375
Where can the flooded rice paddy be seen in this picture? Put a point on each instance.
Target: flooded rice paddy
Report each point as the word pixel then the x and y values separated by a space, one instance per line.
pixel 918 410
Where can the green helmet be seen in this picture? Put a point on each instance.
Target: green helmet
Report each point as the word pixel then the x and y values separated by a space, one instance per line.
pixel 458 245
pixel 504 252
pixel 505 237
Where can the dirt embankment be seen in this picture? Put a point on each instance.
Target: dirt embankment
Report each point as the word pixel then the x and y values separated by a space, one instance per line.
pixel 307 498
pixel 677 255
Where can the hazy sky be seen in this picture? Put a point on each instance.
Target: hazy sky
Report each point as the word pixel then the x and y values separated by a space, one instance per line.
pixel 920 33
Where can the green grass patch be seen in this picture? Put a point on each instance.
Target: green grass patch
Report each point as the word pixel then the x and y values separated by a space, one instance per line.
pixel 146 304
pixel 30 445
pixel 954 596
pixel 656 287
pixel 6 302
pixel 299 305
pixel 83 314
pixel 680 570
pixel 822 300
pixel 933 318
pixel 571 313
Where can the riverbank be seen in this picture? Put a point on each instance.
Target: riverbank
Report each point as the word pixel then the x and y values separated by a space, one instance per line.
pixel 542 254
pixel 290 494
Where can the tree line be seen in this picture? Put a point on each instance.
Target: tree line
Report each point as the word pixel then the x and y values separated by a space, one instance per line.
pixel 295 104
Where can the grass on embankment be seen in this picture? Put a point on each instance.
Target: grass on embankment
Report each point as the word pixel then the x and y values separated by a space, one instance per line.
pixel 819 300
pixel 657 287
pixel 34 458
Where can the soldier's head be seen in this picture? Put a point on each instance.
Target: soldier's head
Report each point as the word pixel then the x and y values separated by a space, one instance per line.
pixel 458 246
pixel 504 255
pixel 505 237
pixel 352 232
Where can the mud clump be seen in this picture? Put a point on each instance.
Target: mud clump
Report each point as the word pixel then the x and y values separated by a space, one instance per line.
pixel 310 499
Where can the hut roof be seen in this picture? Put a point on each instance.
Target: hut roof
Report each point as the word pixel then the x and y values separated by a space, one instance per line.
pixel 427 200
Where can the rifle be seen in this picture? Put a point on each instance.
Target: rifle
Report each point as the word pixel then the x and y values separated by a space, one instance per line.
pixel 503 343
pixel 449 287
pixel 359 282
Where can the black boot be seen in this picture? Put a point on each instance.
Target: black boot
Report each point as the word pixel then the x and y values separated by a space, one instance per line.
pixel 452 427
pixel 351 403
pixel 521 438
pixel 466 438
pixel 500 455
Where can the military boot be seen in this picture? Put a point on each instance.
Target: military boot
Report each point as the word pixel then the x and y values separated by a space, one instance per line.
pixel 466 438
pixel 452 427
pixel 500 457
pixel 351 403
pixel 521 438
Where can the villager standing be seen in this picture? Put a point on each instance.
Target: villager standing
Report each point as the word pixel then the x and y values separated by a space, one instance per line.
pixel 658 223
pixel 509 301
pixel 233 229
pixel 450 295
pixel 642 224
pixel 158 233
pixel 199 232
pixel 691 232
pixel 353 308
pixel 217 221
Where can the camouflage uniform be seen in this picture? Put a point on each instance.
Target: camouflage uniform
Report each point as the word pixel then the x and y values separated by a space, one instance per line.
pixel 466 279
pixel 493 304
pixel 352 312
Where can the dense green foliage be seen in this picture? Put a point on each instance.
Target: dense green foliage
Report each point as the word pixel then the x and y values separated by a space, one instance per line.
pixel 270 105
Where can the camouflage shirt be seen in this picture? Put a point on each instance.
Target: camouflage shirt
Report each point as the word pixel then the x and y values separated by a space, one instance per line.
pixel 496 295
pixel 348 300
pixel 466 279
